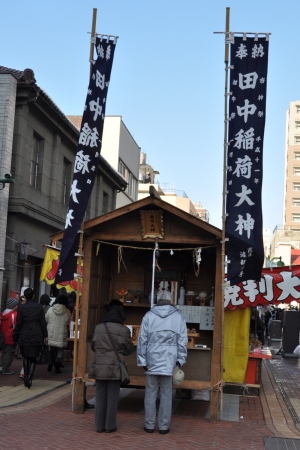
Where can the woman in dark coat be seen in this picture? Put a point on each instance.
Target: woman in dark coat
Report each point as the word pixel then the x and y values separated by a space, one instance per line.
pixel 105 367
pixel 30 333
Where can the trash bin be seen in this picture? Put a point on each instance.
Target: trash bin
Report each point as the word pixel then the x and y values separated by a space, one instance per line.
pixel 290 336
pixel 275 330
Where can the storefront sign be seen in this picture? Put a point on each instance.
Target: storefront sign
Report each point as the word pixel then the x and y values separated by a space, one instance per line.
pixel 152 224
pixel 277 285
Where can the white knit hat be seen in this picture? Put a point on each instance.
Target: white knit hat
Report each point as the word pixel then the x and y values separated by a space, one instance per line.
pixel 178 375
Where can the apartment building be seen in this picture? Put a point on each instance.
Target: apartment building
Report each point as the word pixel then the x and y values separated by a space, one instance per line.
pixel 291 205
pixel 286 238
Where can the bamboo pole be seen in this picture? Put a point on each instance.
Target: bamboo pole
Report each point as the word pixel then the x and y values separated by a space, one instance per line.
pixel 226 60
pixel 75 350
pixel 80 255
pixel 93 34
pixel 225 143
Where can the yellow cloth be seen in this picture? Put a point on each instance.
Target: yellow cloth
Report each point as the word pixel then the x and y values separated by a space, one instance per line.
pixel 49 271
pixel 236 344
pixel 50 265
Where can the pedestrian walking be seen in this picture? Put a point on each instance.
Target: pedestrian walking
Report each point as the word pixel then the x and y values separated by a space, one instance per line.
pixel 105 366
pixel 45 302
pixel 162 345
pixel 58 320
pixel 31 334
pixel 21 301
pixel 8 319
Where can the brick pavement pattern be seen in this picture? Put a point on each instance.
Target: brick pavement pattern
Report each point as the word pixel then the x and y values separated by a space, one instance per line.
pixel 56 427
pixel 265 422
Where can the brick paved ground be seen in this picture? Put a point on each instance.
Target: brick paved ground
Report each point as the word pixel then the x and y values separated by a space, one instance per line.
pixel 56 427
pixel 48 423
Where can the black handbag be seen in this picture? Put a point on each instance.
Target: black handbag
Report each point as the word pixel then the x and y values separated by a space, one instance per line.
pixel 124 374
pixel 44 355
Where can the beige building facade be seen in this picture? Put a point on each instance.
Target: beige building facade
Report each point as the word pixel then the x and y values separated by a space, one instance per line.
pixel 291 205
pixel 121 152
pixel 286 238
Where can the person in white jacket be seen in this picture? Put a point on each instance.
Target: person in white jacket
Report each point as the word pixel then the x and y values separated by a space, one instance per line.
pixel 162 345
pixel 58 319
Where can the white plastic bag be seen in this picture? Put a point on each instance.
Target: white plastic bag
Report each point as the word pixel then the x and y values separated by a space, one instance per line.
pixel 297 350
pixel 199 394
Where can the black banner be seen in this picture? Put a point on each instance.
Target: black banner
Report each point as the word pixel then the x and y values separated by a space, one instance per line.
pixel 247 113
pixel 87 157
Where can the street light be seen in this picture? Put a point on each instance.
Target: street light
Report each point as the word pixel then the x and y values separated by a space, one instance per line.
pixel 7 179
pixel 279 262
pixel 271 262
pixel 24 250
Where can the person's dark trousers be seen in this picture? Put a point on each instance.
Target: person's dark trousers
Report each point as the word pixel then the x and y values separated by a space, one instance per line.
pixel 26 367
pixel 52 359
pixel 8 354
pixel 32 364
pixel 57 366
pixel 107 396
pixel 87 405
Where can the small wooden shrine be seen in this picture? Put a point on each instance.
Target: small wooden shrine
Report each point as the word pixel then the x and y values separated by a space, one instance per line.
pixel 118 263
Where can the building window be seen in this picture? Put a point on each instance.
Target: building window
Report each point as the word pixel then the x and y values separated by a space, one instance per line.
pixel 297 109
pixel 131 189
pixel 66 182
pixel 296 202
pixel 132 186
pixel 297 125
pixel 105 203
pixel 97 190
pixel 123 170
pixel 297 139
pixel 297 171
pixel 297 155
pixel 295 217
pixel 296 186
pixel 36 161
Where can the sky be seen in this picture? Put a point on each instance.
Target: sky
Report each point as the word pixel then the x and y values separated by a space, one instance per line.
pixel 168 79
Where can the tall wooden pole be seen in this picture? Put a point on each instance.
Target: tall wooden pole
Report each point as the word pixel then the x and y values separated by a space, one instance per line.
pixel 225 141
pixel 93 34
pixel 80 258
pixel 224 182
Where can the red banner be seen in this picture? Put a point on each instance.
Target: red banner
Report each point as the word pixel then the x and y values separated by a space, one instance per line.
pixel 277 285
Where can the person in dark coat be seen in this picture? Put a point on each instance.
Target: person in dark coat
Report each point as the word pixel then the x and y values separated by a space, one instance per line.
pixel 105 366
pixel 30 333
